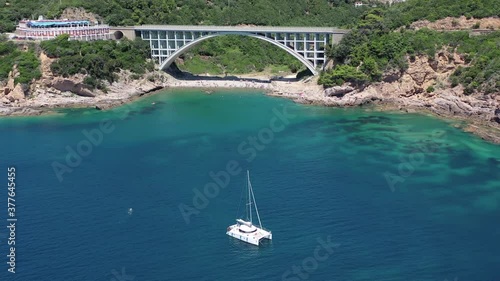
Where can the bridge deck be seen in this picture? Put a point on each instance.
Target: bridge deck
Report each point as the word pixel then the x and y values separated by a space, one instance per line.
pixel 284 29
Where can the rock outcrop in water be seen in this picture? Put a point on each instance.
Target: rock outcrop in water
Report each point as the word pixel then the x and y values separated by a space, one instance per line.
pixel 52 91
pixel 423 86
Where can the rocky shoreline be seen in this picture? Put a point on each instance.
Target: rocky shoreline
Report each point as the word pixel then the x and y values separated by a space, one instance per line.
pixel 407 92
pixel 486 129
pixel 422 88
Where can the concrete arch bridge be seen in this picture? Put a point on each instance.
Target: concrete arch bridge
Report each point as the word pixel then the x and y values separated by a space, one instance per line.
pixel 168 42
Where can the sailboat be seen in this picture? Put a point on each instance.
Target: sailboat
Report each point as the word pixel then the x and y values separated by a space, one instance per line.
pixel 245 230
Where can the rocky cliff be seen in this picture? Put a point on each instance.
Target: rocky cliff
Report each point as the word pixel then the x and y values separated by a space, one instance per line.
pixel 461 23
pixel 423 86
pixel 79 14
pixel 12 91
pixel 52 91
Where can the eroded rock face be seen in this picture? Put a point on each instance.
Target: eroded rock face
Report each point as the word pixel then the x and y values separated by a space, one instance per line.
pixel 420 70
pixel 4 100
pixel 338 90
pixel 412 91
pixel 67 85
pixel 10 82
pixel 460 23
pixel 392 75
pixel 45 63
pixel 17 94
pixel 496 118
pixel 79 14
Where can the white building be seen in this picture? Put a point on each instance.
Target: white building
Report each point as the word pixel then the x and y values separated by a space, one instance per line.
pixel 49 29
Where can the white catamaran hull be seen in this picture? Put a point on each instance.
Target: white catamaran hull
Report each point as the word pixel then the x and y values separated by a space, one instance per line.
pixel 245 230
pixel 252 238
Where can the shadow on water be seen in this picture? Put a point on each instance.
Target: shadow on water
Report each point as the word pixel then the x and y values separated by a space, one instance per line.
pixel 461 159
pixel 366 120
pixel 362 140
pixel 493 163
pixel 359 124
pixel 149 110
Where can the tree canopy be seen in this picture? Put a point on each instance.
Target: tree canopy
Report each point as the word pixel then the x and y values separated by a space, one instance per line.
pixel 374 46
pixel 27 61
pixel 100 60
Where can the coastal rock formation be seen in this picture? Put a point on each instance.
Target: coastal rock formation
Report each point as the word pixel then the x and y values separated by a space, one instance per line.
pixel 45 63
pixel 69 85
pixel 56 92
pixel 338 90
pixel 79 14
pixel 9 87
pixel 12 92
pixel 17 94
pixel 496 118
pixel 460 23
pixel 423 86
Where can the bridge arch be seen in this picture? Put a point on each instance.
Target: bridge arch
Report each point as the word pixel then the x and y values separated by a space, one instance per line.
pixel 195 42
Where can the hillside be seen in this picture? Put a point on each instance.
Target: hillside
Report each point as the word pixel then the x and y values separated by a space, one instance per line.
pixel 416 55
pixel 233 54
pixel 194 12
pixel 215 56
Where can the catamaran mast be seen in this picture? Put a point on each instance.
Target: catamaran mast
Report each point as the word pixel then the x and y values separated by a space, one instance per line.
pixel 250 192
pixel 249 197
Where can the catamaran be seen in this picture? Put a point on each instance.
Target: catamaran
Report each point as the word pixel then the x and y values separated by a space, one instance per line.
pixel 245 230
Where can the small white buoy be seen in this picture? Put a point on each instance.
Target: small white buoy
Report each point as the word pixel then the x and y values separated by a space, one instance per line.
pixel 130 211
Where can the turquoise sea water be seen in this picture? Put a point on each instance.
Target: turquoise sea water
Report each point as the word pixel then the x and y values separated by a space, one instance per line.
pixel 402 196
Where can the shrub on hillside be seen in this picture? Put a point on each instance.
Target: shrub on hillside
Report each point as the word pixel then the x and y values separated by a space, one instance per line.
pixel 99 59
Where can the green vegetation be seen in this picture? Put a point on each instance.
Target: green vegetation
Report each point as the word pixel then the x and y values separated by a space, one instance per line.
pixel 380 41
pixel 342 74
pixel 373 47
pixel 27 62
pixel 237 54
pixel 340 13
pixel 192 12
pixel 412 10
pixel 484 73
pixel 100 60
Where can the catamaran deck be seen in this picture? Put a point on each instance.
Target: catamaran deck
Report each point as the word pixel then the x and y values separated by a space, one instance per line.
pixel 245 230
pixel 252 238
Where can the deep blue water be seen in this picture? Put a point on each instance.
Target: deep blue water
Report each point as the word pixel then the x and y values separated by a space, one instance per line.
pixel 402 196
